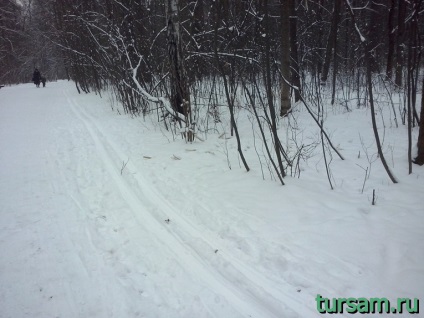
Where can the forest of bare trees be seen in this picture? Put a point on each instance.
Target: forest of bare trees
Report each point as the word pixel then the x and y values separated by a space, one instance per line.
pixel 172 58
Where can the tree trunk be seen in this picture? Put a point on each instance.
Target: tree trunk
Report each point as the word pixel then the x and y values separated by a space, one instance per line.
pixel 230 97
pixel 367 53
pixel 198 17
pixel 335 70
pixel 317 58
pixel 332 41
pixel 294 61
pixel 391 35
pixel 409 81
pixel 286 38
pixel 180 95
pixel 375 27
pixel 419 160
pixel 400 39
pixel 285 56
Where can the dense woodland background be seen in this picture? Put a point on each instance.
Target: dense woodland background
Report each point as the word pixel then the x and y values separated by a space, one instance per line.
pixel 184 60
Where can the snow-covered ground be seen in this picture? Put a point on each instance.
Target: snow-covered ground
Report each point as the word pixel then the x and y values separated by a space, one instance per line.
pixel 103 215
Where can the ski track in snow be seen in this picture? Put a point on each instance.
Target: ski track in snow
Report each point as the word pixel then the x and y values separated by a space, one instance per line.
pixel 248 292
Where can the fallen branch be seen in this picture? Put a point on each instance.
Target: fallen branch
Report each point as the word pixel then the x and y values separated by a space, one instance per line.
pixel 124 164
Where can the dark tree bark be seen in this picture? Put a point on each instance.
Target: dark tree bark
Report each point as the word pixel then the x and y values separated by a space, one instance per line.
pixel 317 58
pixel 410 80
pixel 198 17
pixel 376 26
pixel 419 160
pixel 285 54
pixel 368 59
pixel 230 99
pixel 372 108
pixel 294 61
pixel 286 38
pixel 391 38
pixel 412 74
pixel 180 95
pixel 332 41
pixel 400 39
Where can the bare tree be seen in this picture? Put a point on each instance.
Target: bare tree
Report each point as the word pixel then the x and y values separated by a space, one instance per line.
pixel 419 160
pixel 391 39
pixel 400 51
pixel 294 55
pixel 230 90
pixel 368 60
pixel 285 103
pixel 13 40
pixel 331 51
pixel 180 94
pixel 285 55
pixel 160 56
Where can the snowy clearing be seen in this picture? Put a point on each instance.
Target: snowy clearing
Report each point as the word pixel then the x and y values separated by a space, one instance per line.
pixel 103 215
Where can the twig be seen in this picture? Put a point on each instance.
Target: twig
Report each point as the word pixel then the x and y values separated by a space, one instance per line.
pixel 124 164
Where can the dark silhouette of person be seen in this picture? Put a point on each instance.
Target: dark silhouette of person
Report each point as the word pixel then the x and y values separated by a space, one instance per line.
pixel 43 80
pixel 36 77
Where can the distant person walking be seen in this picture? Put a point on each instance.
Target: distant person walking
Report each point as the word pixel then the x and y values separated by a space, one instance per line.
pixel 36 77
pixel 43 80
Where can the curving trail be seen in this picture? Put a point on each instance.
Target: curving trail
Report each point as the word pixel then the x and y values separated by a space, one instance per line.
pixel 102 216
pixel 95 242
pixel 250 293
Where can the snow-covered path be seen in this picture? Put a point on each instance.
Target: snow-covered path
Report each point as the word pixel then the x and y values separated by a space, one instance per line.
pixel 82 234
pixel 92 246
